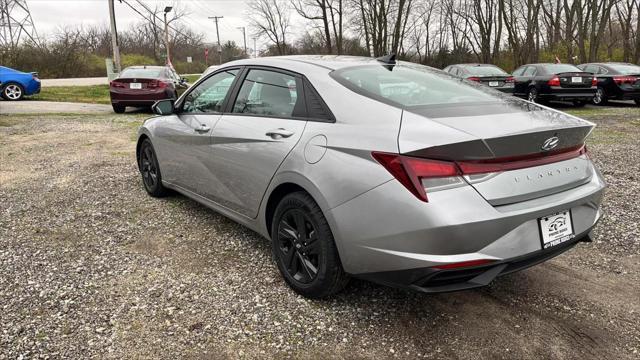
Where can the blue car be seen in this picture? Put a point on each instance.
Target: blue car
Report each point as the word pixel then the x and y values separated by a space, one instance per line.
pixel 15 84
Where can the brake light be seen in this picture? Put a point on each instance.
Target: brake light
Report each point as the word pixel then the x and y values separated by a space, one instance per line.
pixel 116 84
pixel 416 174
pixel 463 264
pixel 555 81
pixel 473 78
pixel 520 162
pixel 510 79
pixel 153 84
pixel 625 79
pixel 594 81
pixel 410 171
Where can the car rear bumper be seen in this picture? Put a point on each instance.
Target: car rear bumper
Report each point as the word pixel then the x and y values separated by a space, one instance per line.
pixel 142 98
pixel 33 87
pixel 585 95
pixel 410 237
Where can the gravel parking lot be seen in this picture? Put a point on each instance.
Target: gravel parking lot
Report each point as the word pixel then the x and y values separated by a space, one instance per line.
pixel 90 266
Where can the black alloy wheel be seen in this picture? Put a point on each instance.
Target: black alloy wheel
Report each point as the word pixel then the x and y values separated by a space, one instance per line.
pixel 150 170
pixel 304 248
pixel 298 244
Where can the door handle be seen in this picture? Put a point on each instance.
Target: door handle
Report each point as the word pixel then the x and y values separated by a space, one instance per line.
pixel 202 129
pixel 279 133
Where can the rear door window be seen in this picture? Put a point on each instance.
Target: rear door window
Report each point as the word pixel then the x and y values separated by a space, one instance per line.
pixel 531 71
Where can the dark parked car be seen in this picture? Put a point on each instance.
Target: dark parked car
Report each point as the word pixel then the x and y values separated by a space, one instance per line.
pixel 14 84
pixel 616 81
pixel 144 85
pixel 559 82
pixel 486 74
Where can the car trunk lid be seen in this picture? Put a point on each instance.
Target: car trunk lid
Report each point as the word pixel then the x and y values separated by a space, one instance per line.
pixel 545 146
pixel 575 79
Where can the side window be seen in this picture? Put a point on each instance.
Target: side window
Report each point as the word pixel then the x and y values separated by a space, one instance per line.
pixel 602 70
pixel 270 93
pixel 591 68
pixel 531 71
pixel 209 95
pixel 519 71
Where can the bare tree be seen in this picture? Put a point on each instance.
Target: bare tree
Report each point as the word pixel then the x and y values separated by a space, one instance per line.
pixel 270 18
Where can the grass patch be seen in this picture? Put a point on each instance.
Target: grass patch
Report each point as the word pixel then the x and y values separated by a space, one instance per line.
pixel 95 94
pixel 192 78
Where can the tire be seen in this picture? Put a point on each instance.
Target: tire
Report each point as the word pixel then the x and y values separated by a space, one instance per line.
pixel 579 103
pixel 532 95
pixel 13 92
pixel 300 232
pixel 119 109
pixel 600 98
pixel 150 170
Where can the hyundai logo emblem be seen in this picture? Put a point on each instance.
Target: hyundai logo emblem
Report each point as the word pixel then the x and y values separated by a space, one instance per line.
pixel 550 143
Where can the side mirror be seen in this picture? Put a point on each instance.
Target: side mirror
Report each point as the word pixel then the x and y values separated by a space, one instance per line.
pixel 163 107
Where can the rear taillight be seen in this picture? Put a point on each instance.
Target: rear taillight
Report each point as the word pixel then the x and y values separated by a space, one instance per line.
pixel 154 84
pixel 555 81
pixel 594 81
pixel 418 174
pixel 116 84
pixel 520 162
pixel 510 79
pixel 473 78
pixel 411 171
pixel 625 79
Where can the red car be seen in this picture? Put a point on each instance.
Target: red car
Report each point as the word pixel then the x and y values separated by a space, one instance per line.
pixel 142 86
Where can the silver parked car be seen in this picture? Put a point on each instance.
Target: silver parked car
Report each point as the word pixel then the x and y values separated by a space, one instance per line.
pixel 388 171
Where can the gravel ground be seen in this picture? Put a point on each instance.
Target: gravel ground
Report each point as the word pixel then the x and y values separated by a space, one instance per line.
pixel 90 266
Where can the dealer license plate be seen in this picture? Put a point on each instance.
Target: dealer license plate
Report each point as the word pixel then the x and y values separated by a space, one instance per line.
pixel 556 229
pixel 493 83
pixel 576 79
pixel 135 86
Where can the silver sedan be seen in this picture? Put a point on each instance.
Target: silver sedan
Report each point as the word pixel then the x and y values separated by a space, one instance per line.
pixel 378 169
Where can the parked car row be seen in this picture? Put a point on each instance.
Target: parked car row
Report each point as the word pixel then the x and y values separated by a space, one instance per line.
pixel 595 82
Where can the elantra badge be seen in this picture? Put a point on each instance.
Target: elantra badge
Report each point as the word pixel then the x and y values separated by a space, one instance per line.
pixel 550 143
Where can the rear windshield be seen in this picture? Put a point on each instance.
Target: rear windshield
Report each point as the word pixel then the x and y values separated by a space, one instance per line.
pixel 626 69
pixel 560 68
pixel 151 73
pixel 485 70
pixel 412 85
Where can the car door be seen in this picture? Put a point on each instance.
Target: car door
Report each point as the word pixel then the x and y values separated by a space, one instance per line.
pixel 185 141
pixel 525 80
pixel 254 136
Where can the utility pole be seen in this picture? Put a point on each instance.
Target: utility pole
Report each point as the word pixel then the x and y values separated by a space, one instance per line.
pixel 114 37
pixel 255 49
pixel 215 18
pixel 244 35
pixel 166 34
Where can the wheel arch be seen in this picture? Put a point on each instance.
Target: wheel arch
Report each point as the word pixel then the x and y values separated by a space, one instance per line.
pixel 288 183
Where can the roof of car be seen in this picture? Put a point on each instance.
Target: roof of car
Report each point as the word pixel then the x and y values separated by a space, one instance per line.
pixel 327 62
pixel 475 64
pixel 146 67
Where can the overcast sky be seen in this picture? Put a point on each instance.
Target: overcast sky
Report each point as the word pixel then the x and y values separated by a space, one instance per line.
pixel 48 15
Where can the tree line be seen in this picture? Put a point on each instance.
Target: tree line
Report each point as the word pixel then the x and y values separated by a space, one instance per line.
pixel 441 32
pixel 507 33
